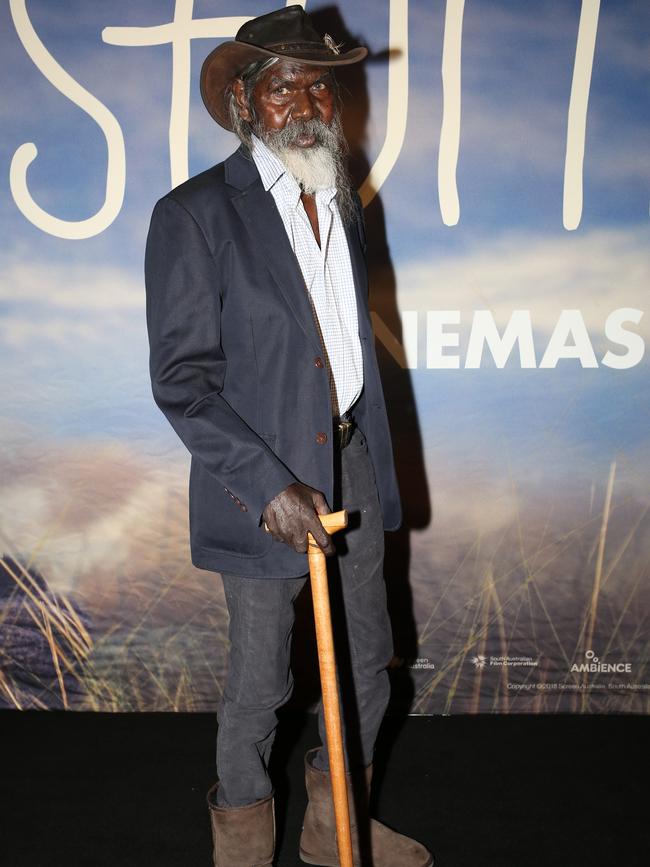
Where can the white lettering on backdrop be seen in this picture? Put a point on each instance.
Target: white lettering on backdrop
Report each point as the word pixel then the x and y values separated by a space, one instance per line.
pixel 180 32
pixel 72 230
pixel 569 340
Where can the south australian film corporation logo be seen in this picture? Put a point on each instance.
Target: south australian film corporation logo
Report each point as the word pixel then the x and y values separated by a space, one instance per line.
pixel 593 664
pixel 481 661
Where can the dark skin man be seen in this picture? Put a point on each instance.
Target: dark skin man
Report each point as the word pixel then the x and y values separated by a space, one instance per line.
pixel 286 93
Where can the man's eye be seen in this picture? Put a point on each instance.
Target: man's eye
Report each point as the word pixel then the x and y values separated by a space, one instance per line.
pixel 319 85
pixel 281 90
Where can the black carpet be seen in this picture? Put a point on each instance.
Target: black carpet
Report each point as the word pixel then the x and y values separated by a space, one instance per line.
pixel 505 791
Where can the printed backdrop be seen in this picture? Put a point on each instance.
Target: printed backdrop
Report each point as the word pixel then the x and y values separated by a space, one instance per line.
pixel 501 149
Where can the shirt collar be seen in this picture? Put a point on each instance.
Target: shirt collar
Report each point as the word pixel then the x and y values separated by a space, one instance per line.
pixel 269 165
pixel 271 169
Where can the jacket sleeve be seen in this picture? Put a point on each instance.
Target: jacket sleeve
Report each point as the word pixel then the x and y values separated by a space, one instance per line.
pixel 187 364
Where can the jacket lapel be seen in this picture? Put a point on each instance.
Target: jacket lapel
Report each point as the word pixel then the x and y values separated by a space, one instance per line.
pixel 260 216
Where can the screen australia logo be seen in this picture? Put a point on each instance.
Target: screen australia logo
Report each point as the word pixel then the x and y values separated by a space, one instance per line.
pixel 592 663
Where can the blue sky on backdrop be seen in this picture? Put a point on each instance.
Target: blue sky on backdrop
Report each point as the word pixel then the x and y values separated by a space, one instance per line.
pixel 73 344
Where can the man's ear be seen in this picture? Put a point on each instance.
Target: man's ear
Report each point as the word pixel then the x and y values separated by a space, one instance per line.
pixel 240 99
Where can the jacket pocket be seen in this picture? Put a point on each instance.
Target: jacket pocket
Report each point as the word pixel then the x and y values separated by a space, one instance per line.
pixel 217 521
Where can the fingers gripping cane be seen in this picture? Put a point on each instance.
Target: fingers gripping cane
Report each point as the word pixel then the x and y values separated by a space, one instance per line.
pixel 327 664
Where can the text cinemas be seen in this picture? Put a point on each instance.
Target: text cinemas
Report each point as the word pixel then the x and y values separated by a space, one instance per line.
pixel 432 339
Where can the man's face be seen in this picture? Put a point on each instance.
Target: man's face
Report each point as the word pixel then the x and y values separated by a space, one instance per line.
pixel 294 111
pixel 290 92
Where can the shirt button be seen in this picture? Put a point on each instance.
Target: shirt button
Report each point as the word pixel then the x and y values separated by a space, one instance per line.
pixel 321 438
pixel 318 361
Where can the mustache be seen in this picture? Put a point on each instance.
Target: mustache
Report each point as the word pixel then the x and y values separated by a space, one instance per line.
pixel 325 135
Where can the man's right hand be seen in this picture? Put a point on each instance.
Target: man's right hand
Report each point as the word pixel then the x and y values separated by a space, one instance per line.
pixel 294 513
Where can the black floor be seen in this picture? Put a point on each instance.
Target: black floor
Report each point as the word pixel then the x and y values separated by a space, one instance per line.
pixel 102 789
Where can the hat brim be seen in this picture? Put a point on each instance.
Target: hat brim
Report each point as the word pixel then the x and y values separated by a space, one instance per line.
pixel 227 60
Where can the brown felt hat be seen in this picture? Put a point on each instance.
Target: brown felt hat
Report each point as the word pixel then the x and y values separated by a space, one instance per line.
pixel 287 32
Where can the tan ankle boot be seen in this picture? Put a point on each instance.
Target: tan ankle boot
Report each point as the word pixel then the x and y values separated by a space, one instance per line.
pixel 242 836
pixel 318 839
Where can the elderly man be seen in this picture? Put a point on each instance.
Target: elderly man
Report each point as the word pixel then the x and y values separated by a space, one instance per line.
pixel 262 358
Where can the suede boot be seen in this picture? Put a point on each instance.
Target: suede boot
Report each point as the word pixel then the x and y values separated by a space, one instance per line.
pixel 242 836
pixel 373 844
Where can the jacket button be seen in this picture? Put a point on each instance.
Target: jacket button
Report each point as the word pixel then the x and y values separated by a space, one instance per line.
pixel 321 438
pixel 318 361
pixel 243 507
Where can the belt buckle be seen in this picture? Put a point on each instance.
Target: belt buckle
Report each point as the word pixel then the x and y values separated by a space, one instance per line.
pixel 344 433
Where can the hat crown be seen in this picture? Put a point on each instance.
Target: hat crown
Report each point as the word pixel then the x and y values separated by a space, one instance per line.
pixel 286 27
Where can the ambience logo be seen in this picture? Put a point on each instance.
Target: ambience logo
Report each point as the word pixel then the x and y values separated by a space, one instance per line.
pixel 594 664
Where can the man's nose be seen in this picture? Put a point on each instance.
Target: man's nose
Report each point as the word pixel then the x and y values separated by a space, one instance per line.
pixel 303 107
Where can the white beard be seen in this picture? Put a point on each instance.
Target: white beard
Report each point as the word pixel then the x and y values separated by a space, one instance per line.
pixel 313 168
pixel 322 166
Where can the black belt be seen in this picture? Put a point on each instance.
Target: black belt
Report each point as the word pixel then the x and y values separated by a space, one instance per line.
pixel 343 427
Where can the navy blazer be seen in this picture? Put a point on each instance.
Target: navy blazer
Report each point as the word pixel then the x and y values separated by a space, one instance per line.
pixel 235 364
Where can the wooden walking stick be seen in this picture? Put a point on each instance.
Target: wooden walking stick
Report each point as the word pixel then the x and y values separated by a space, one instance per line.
pixel 327 664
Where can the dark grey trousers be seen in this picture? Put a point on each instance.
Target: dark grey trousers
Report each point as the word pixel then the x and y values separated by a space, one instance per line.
pixel 259 679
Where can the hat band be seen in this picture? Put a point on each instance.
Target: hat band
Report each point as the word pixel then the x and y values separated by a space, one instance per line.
pixel 296 46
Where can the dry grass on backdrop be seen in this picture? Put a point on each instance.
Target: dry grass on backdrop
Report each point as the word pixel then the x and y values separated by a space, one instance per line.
pixel 546 575
pixel 100 606
pixel 101 609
